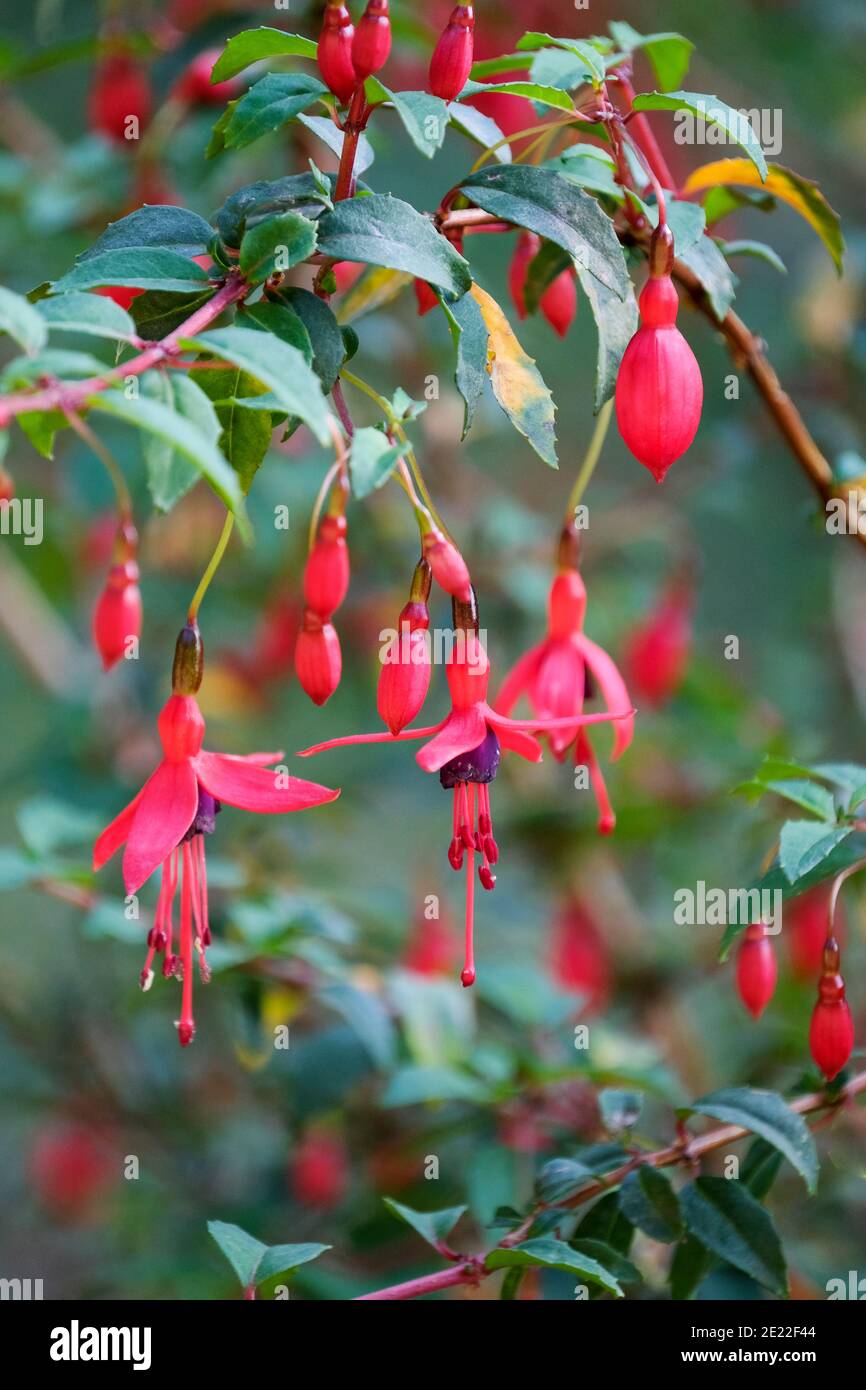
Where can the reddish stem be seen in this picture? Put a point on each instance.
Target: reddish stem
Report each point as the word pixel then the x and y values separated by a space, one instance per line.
pixel 469 1273
pixel 355 123
pixel 645 137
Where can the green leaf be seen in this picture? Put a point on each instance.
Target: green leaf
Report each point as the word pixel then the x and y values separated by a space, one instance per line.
pixel 279 1261
pixel 590 168
pixel 765 1113
pixel 433 1226
pixel 610 1259
pixel 182 434
pixel 469 335
pixel 558 210
pixel 144 268
pixel 322 329
pixel 760 1168
pixel 161 226
pixel 533 91
pixel 384 231
pixel 649 1202
pixel 725 1217
pixel 480 128
pixel 269 316
pixel 517 383
pixel 810 795
pixel 803 845
pixel 254 45
pixel 714 112
pixel 269 104
pixel 561 1178
pixel 281 368
pixel 323 127
pixel 545 266
pixel 425 118
pixel 714 273
pixel 51 362
pixel 256 201
pixel 159 312
pixel 554 1254
pixel 590 58
pixel 759 250
pixel 691 1264
pixel 93 314
pixel 413 1085
pixel 254 1262
pixel 668 54
pixel 374 289
pixel 21 321
pixel 620 1110
pixel 372 460
pixel 171 474
pixel 616 321
pixel 277 243
pixel 245 433
pixel 606 1222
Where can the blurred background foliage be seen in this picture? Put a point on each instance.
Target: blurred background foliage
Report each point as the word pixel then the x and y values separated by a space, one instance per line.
pixel 319 919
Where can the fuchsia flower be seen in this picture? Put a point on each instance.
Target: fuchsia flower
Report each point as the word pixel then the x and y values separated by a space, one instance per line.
pixel 165 824
pixel 465 748
pixel 554 676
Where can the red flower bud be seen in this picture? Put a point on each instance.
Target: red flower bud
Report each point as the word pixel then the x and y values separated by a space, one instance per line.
pixel 426 297
pixel 659 391
pixel 335 51
pixel 123 295
pixel 7 486
pixel 70 1167
pixel 318 660
pixel 345 274
pixel 372 42
pixel 326 575
pixel 320 1171
pixel 117 616
pixel 196 87
pixel 579 957
pixel 657 652
pixel 448 566
pixel 526 248
pixel 120 89
pixel 807 923
pixel 405 676
pixel 831 1034
pixel 559 302
pixel 452 56
pixel 756 969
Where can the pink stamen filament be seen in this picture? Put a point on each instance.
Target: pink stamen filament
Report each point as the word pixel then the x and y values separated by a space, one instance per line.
pixel 585 754
pixel 467 976
pixel 186 1025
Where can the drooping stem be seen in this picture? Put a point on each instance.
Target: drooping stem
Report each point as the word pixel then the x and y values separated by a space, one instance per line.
pixel 213 565
pixel 395 425
pixel 590 459
pixel 645 137
pixel 104 454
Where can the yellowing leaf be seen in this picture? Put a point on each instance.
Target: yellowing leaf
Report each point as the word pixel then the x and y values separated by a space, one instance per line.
pixel 517 383
pixel 375 288
pixel 801 194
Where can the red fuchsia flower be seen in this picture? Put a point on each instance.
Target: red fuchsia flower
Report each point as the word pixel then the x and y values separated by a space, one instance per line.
pixel 558 303
pixel 196 88
pixel 449 568
pixel 71 1167
pixel 452 56
pixel 578 955
pixel 319 1170
pixel 318 658
pixel 334 51
pixel 465 749
pixel 831 1034
pixel 756 969
pixel 117 616
pixel 658 650
pixel 405 676
pixel 553 675
pixel 165 824
pixel 659 392
pixel 372 41
pixel 807 926
pixel 120 89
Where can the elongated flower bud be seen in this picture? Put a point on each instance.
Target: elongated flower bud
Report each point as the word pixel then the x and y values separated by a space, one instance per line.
pixel 756 969
pixel 658 651
pixel 449 568
pixel 326 575
pixel 318 659
pixel 405 676
pixel 558 304
pixel 118 611
pixel 7 486
pixel 659 392
pixel 335 51
pixel 320 1170
pixel 120 91
pixel 196 87
pixel 807 924
pixel 831 1034
pixel 579 955
pixel 372 42
pixel 452 56
pixel 525 250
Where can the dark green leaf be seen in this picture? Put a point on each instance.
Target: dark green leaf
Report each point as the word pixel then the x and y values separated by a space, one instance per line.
pixel 668 54
pixel 257 201
pixel 691 1264
pixel 170 473
pixel 433 1226
pixel 591 62
pixel 765 1113
pixel 156 225
pixel 269 104
pixel 559 1179
pixel 610 1259
pixel 725 1217
pixel 425 118
pixel 616 321
pixel 554 1254
pixel 757 249
pixel 254 45
pixel 714 112
pixel 145 268
pixel 469 334
pixel 649 1202
pixel 279 1261
pixel 245 433
pixel 281 368
pixel 804 844
pixel 544 267
pixel 159 312
pixel 480 128
pixel 322 329
pixel 269 316
pixel 385 231
pixel 254 1262
pixel 92 314
pixel 21 321
pixel 760 1168
pixel 533 91
pixel 714 273
pixel 606 1222
pixel 275 244
pixel 323 127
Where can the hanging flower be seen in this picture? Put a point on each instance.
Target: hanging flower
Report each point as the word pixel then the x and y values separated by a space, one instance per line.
pixel 558 302
pixel 553 675
pixel 334 50
pixel 165 824
pixel 118 612
pixel 756 969
pixel 658 650
pixel 831 1033
pixel 405 676
pixel 465 749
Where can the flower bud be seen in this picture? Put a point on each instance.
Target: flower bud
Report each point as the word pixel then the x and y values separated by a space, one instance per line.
pixel 188 666
pixel 372 42
pixel 320 1171
pixel 657 653
pixel 449 568
pixel 807 921
pixel 335 51
pixel 756 969
pixel 117 615
pixel 579 956
pixel 318 660
pixel 831 1033
pixel 426 297
pixel 7 486
pixel 405 676
pixel 558 304
pixel 120 90
pixel 525 250
pixel 452 56
pixel 196 88
pixel 326 574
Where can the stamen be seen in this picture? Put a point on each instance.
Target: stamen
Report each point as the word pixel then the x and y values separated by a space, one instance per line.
pixel 467 975
pixel 606 813
pixel 186 1025
pixel 467 818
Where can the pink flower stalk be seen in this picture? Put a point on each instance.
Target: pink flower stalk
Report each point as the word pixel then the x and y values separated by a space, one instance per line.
pixel 659 392
pixel 465 748
pixel 553 676
pixel 334 51
pixel 452 56
pixel 165 824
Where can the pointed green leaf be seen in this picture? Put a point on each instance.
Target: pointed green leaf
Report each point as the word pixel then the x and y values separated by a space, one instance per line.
pixel 254 45
pixel 714 112
pixel 325 130
pixel 322 328
pixel 372 460
pixel 469 335
pixel 279 1261
pixel 271 103
pixel 384 231
pixel 668 54
pixel 725 1217
pixel 554 1254
pixel 714 273
pixel 144 268
pixel 245 433
pixel 533 91
pixel 93 314
pixel 277 243
pixel 765 1113
pixel 616 322
pixel 424 117
pixel 590 58
pixel 161 226
pixel 803 845
pixel 759 250
pixel 649 1202
pixel 21 321
pixel 433 1226
pixel 171 474
pixel 480 128
pixel 242 1251
pixel 281 368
